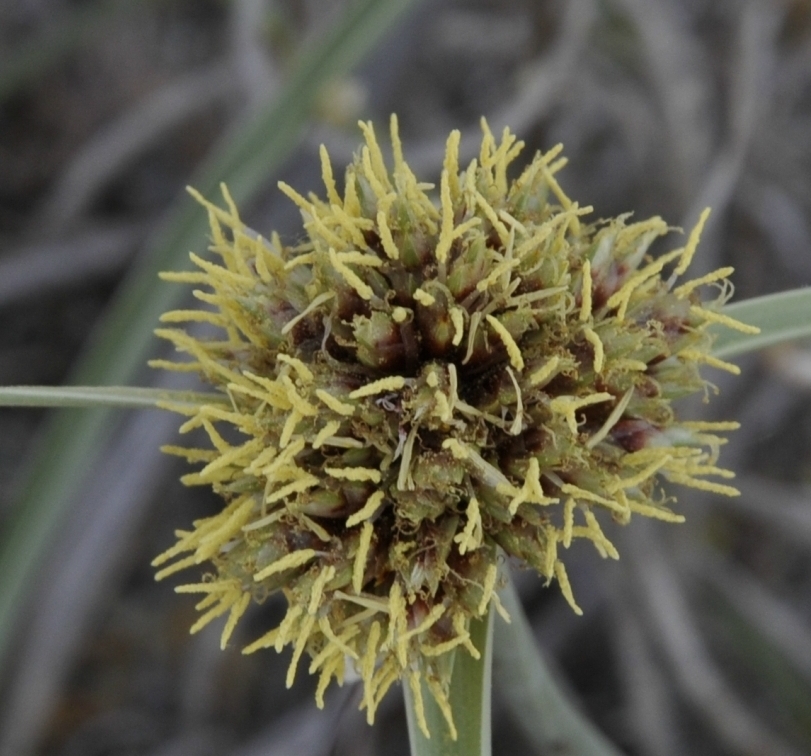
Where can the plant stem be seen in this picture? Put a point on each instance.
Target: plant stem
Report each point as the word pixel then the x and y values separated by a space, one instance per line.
pixel 469 696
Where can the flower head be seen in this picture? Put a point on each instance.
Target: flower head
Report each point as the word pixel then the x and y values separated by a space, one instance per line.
pixel 422 382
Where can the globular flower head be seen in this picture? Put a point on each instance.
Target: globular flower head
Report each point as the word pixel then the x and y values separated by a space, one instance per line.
pixel 421 382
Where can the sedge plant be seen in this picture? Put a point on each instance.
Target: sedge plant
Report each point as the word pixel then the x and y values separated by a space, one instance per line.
pixel 429 383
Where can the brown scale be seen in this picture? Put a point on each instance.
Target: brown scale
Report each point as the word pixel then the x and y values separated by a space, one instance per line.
pixel 633 434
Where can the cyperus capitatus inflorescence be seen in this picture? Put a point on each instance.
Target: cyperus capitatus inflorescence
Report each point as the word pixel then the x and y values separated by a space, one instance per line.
pixel 424 379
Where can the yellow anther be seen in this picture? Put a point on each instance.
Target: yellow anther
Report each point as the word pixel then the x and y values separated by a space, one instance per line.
pixel 458 320
pixel 500 228
pixel 424 298
pixel 317 590
pixel 581 493
pixel 566 587
pixel 354 473
pixel 568 522
pixel 326 175
pixel 288 562
pixel 301 369
pixel 568 405
pixel 392 383
pixel 487 589
pixel 330 429
pixel 544 373
pixel 471 537
pixel 369 508
pixel 457 448
pixel 717 317
pixel 298 649
pixel 443 407
pixel 513 351
pixel 399 314
pixel 386 239
pixel 585 294
pixel 363 289
pixel 596 342
pixel 342 408
pixel 621 298
pixel 696 356
pixel 450 165
pixel 692 244
pixel 682 291
pixel 297 486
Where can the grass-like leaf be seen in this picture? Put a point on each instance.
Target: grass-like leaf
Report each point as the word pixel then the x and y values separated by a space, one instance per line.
pixel 546 717
pixel 780 317
pixel 101 396
pixel 244 160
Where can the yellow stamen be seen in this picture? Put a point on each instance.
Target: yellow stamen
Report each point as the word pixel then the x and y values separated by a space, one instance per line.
pixel 458 320
pixel 237 610
pixel 335 404
pixel 585 296
pixel 368 509
pixel 301 641
pixel 568 405
pixel 318 588
pixel 566 587
pixel 696 356
pixel 471 537
pixel 544 373
pixel 684 290
pixel 717 317
pixel 288 562
pixel 568 522
pixel 424 298
pixel 301 369
pixel 330 429
pixel 581 493
pixel 363 289
pixel 326 175
pixel 359 567
pixel 513 351
pixel 392 383
pixel 386 239
pixel 487 588
pixel 354 473
pixel 692 244
pixel 446 233
pixel 596 342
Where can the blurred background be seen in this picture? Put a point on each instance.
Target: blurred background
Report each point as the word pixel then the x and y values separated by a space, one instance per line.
pixel 698 641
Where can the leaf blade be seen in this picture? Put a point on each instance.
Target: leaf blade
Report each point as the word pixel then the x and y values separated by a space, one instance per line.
pixel 102 396
pixel 781 317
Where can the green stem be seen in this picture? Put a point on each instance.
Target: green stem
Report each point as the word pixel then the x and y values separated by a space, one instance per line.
pixel 102 396
pixel 469 697
pixel 536 703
